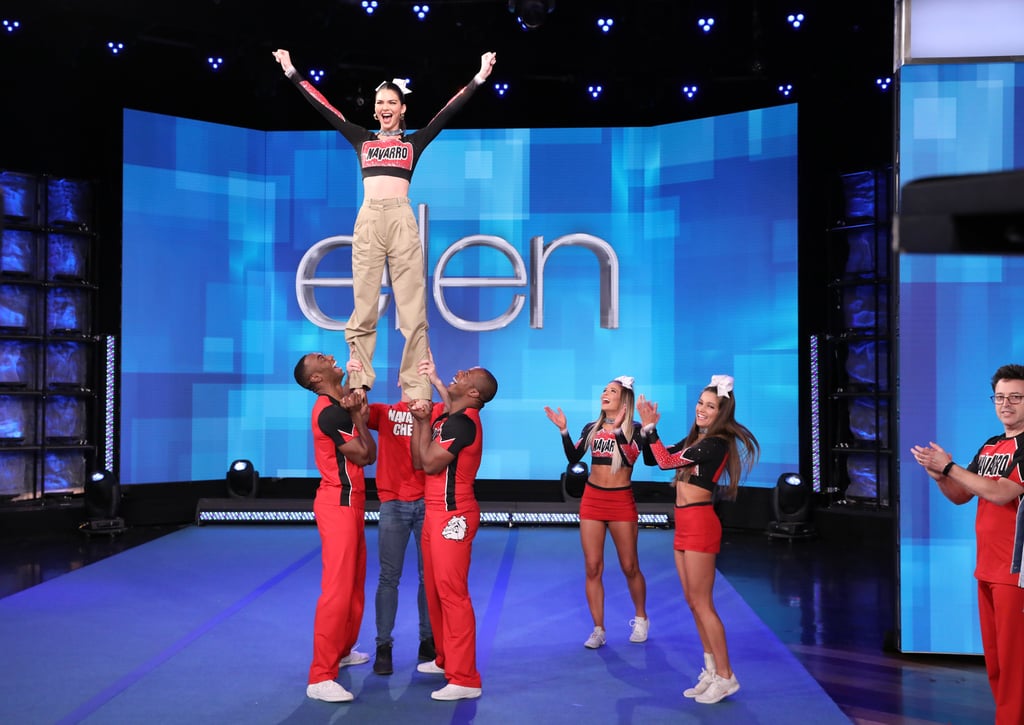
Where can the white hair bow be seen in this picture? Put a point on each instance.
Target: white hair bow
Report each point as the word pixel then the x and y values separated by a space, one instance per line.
pixel 625 381
pixel 723 383
pixel 402 83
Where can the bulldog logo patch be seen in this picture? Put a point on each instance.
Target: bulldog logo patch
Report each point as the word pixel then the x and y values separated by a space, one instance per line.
pixel 455 529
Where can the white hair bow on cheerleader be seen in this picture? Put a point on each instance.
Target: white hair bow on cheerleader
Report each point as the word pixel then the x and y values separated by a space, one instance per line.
pixel 402 83
pixel 625 381
pixel 723 383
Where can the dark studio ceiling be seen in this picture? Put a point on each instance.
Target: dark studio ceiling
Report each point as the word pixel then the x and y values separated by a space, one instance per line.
pixel 63 79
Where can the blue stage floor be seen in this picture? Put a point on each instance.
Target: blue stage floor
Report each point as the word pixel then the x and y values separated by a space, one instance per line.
pixel 214 625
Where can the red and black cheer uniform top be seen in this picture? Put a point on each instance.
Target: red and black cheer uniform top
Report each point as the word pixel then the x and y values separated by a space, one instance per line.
pixel 384 155
pixel 333 428
pixel 996 527
pixel 461 434
pixel 706 458
pixel 602 446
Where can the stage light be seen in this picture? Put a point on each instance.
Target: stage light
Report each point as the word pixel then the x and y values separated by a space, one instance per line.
pixel 114 47
pixel 102 504
pixel 786 88
pixel 12 26
pixel 215 62
pixel 690 91
pixel 317 75
pixel 501 88
pixel 791 507
pixel 531 13
pixel 883 83
pixel 605 24
pixel 706 24
pixel 594 91
pixel 243 479
pixel 420 11
pixel 369 6
pixel 574 480
pixel 795 19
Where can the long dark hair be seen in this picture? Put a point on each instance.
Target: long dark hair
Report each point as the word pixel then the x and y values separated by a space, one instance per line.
pixel 744 450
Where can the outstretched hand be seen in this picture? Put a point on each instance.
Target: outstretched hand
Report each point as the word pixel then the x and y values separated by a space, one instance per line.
pixel 556 417
pixel 285 59
pixel 648 410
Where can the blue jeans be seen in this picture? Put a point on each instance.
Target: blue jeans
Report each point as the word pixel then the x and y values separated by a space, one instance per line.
pixel 398 519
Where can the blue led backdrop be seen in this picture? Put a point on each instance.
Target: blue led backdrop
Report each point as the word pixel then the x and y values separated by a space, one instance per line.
pixel 956 329
pixel 665 253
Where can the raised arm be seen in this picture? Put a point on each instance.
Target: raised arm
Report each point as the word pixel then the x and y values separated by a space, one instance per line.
pixel 336 118
pixel 362 449
pixel 283 57
pixel 427 367
pixel 427 455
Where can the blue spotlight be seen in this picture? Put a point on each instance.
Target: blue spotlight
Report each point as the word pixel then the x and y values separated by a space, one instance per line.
pixel 12 26
pixel 114 47
pixel 605 24
pixel 883 83
pixel 690 91
pixel 215 62
pixel 706 24
pixel 795 19
pixel 594 91
pixel 317 75
pixel 420 11
pixel 501 88
pixel 369 6
pixel 786 88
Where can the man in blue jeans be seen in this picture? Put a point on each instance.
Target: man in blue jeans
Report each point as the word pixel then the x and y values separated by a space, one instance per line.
pixel 400 490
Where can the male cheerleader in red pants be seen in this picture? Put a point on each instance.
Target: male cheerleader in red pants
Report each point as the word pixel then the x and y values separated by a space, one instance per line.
pixel 342 445
pixel 449 451
pixel 996 478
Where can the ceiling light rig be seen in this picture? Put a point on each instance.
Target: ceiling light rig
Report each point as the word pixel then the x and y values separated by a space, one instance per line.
pixel 795 19
pixel 605 24
pixel 115 47
pixel 786 89
pixel 501 89
pixel 421 11
pixel 316 74
pixel 369 6
pixel 11 26
pixel 706 24
pixel 690 91
pixel 215 62
pixel 595 91
pixel 883 83
pixel 531 14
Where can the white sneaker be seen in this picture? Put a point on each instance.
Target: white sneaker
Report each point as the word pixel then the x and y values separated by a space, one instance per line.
pixel 429 668
pixel 703 683
pixel 640 626
pixel 718 689
pixel 329 691
pixel 354 658
pixel 456 692
pixel 596 638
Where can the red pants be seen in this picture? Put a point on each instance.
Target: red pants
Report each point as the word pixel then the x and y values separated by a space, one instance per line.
pixel 1001 607
pixel 447 547
pixel 339 610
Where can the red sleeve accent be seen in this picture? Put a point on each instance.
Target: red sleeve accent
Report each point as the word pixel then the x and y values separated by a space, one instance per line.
pixel 669 460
